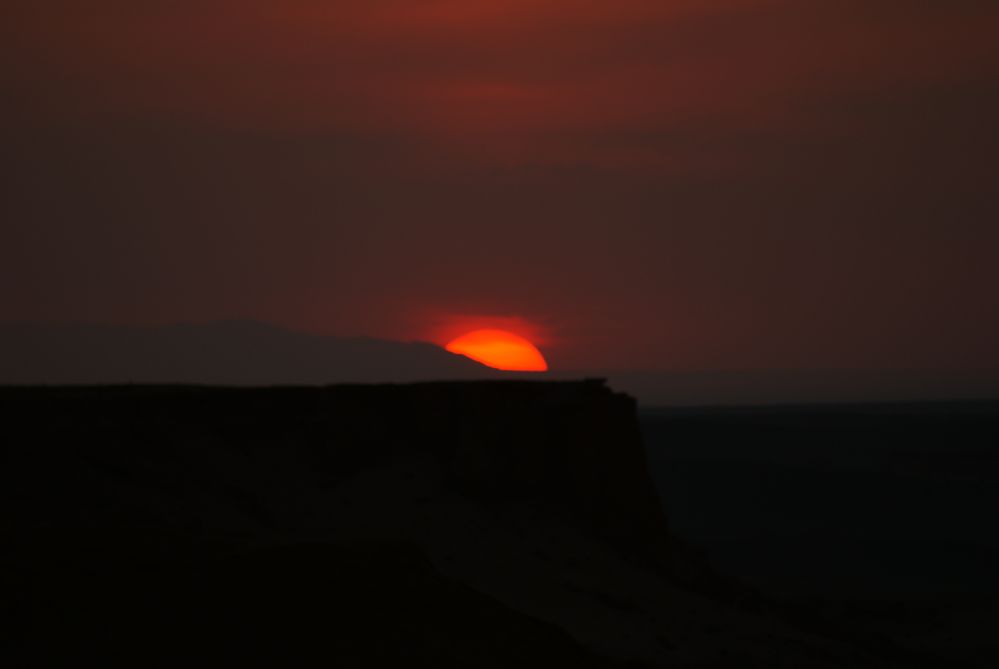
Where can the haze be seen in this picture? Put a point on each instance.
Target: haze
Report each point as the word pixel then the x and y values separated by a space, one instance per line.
pixel 682 186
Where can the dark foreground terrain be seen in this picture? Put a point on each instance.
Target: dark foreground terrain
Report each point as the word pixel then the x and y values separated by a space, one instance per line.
pixel 881 515
pixel 494 524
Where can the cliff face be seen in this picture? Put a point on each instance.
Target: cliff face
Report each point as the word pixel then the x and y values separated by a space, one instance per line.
pixel 532 499
pixel 574 447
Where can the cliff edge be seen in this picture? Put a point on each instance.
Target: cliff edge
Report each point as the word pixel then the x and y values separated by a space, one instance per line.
pixel 458 524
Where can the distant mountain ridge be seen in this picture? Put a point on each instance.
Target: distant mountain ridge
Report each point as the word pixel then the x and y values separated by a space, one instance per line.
pixel 224 353
pixel 249 353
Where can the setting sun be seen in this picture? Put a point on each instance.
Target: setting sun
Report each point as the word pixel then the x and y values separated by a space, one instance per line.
pixel 499 349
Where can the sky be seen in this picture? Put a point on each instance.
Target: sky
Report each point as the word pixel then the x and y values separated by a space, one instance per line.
pixel 639 184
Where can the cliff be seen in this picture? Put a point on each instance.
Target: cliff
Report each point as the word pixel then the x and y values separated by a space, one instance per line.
pixel 467 524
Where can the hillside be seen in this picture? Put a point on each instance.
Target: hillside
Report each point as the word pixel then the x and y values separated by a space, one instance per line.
pixel 225 353
pixel 339 522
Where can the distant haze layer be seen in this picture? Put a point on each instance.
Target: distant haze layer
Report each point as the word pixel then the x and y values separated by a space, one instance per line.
pixel 220 353
pixel 652 185
pixel 246 353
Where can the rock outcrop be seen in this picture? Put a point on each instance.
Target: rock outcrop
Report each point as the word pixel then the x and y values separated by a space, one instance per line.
pixel 317 520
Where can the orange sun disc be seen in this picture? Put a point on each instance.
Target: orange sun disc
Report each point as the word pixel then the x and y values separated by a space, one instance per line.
pixel 500 350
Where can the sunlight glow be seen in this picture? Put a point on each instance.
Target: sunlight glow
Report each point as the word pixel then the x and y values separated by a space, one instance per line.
pixel 500 350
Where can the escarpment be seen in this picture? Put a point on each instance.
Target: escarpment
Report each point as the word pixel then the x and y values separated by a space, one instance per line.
pixel 517 515
pixel 172 454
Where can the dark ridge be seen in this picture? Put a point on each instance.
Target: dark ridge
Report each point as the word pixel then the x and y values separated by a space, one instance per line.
pixel 462 524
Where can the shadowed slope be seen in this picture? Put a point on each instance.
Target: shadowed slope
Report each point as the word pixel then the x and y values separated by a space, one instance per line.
pixel 234 353
pixel 534 495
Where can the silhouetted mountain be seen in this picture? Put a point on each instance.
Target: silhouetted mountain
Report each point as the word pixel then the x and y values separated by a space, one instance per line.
pixel 231 353
pixel 150 525
pixel 255 354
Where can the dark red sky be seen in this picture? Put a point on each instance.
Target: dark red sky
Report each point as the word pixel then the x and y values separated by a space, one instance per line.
pixel 677 185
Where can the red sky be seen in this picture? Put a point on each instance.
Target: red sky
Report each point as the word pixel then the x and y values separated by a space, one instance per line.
pixel 685 185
